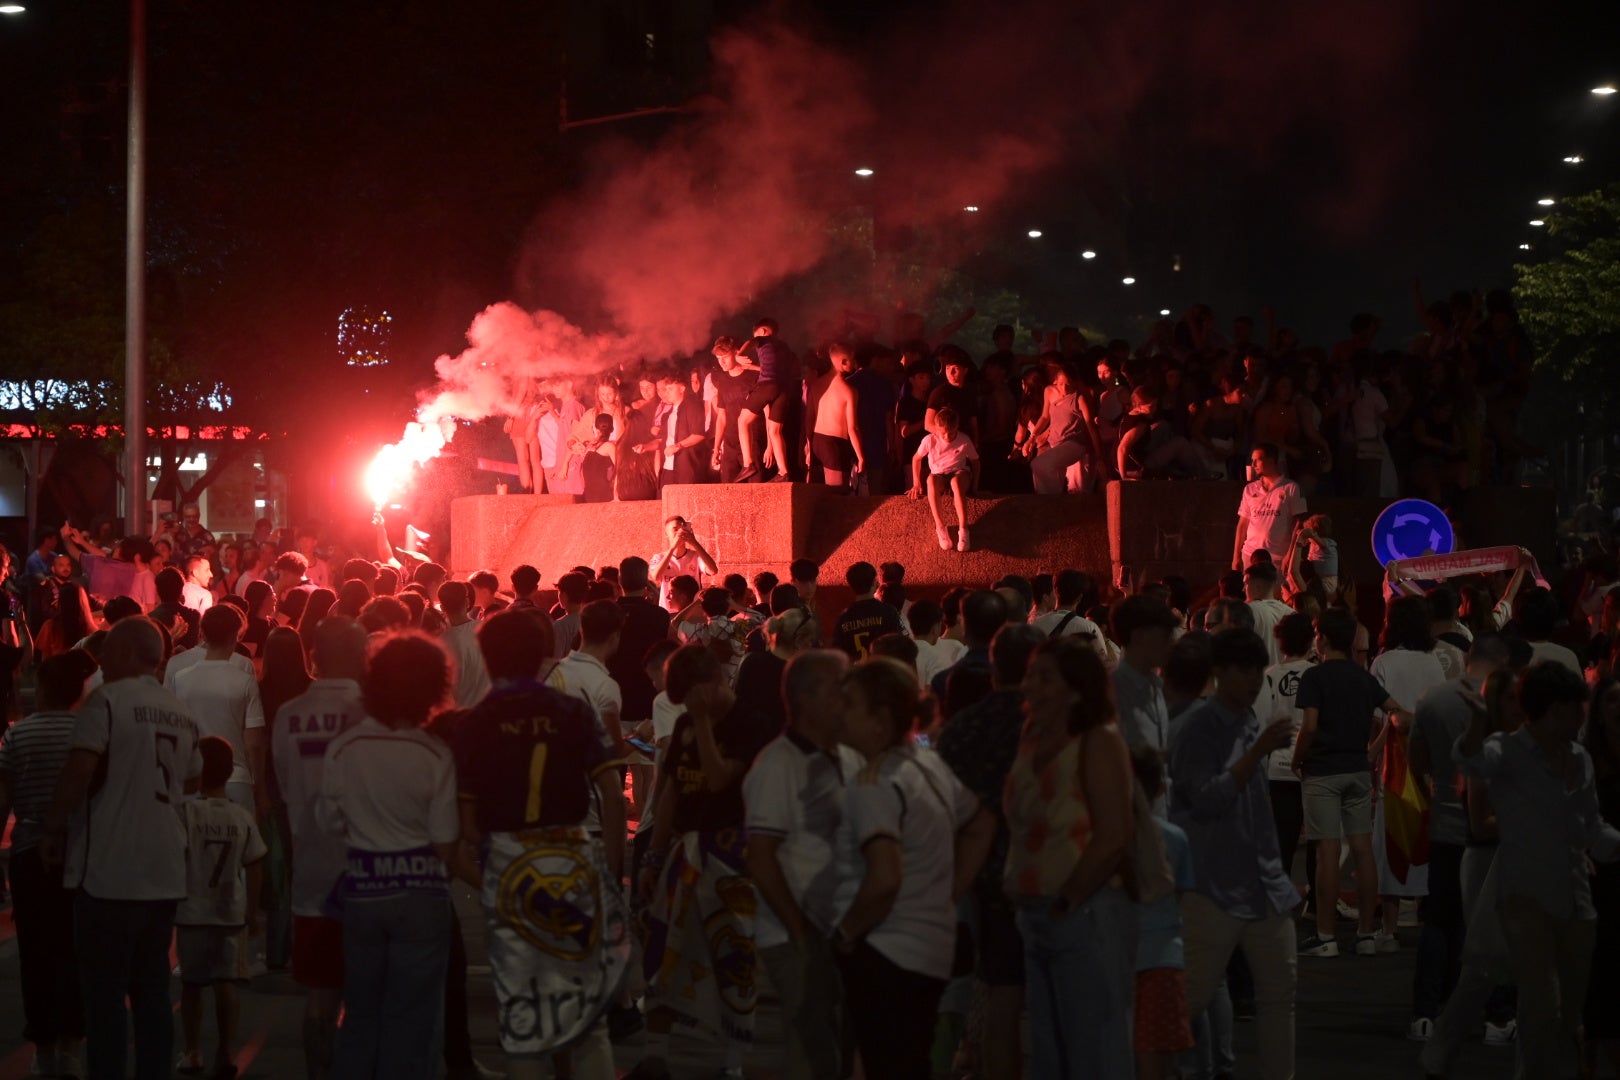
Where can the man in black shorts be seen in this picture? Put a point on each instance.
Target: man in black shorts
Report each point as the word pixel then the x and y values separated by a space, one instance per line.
pixel 835 440
pixel 774 396
pixel 733 384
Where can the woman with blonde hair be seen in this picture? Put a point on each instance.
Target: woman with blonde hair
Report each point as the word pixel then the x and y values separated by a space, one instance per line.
pixel 593 441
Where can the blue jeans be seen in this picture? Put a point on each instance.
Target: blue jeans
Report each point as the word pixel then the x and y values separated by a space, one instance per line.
pixel 1079 974
pixel 123 948
pixel 396 952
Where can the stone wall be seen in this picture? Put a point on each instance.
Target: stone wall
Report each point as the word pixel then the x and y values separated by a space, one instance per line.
pixel 1151 527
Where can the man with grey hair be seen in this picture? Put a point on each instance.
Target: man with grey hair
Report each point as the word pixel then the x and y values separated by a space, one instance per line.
pixel 795 799
pixel 126 852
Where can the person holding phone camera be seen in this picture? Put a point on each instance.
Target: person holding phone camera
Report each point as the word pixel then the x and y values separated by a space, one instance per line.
pixel 685 555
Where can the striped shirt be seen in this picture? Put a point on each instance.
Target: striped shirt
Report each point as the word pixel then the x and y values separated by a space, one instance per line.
pixel 32 755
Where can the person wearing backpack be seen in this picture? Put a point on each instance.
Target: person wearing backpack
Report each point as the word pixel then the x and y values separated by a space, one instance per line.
pixel 1243 899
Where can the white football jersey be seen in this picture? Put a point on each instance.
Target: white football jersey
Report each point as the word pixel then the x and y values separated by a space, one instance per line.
pixel 127 842
pixel 304 727
pixel 222 839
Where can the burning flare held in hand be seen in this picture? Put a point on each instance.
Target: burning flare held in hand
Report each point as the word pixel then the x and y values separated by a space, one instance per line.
pixel 391 469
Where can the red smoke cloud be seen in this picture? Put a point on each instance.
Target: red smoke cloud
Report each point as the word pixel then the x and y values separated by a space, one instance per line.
pixel 971 107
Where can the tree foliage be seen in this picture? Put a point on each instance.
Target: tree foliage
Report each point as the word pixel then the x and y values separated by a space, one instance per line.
pixel 1569 297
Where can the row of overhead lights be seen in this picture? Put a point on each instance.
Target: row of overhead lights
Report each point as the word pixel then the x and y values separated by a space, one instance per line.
pixel 1570 159
pixel 1034 234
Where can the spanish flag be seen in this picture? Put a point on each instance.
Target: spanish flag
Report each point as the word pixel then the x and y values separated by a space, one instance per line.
pixel 1406 810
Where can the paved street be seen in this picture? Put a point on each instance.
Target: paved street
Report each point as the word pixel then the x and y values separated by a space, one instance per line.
pixel 1352 1021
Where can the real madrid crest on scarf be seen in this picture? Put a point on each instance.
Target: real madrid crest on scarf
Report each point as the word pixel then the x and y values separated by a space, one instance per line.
pixel 559 942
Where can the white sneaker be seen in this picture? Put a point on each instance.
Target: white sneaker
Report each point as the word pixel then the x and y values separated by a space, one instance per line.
pixel 1408 914
pixel 1315 945
pixel 1366 944
pixel 1420 1029
pixel 962 539
pixel 1345 911
pixel 944 540
pixel 1387 942
pixel 1503 1035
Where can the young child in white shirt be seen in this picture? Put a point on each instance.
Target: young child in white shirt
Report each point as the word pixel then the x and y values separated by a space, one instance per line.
pixel 952 458
pixel 1322 553
pixel 223 855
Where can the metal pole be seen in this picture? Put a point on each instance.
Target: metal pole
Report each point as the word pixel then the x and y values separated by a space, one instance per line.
pixel 135 281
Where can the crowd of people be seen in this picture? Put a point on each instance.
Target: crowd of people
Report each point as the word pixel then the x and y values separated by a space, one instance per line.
pixel 926 824
pixel 1430 417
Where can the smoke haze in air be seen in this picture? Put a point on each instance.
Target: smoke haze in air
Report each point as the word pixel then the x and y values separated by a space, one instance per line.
pixel 1110 106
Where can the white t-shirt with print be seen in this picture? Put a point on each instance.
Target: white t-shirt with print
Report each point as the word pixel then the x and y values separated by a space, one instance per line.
pixel 1270 515
pixel 305 727
pixel 222 839
pixel 911 796
pixel 127 843
pixel 1278 701
pixel 662 571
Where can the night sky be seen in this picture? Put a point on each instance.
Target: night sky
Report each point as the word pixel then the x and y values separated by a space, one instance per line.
pixel 308 156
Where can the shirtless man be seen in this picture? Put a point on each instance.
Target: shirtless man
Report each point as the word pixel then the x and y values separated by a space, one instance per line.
pixel 836 437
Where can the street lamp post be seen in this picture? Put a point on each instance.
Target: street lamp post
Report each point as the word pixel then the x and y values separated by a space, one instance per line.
pixel 135 280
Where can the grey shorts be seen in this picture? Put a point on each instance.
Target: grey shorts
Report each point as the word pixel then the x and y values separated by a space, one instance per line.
pixel 1338 806
pixel 211 954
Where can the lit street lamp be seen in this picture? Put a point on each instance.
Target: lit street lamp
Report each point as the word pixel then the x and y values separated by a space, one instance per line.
pixel 1574 159
pixel 863 172
pixel 12 9
pixel 1544 202
pixel 1034 234
pixel 1603 91
pixel 1088 254
pixel 1537 223
pixel 1128 281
